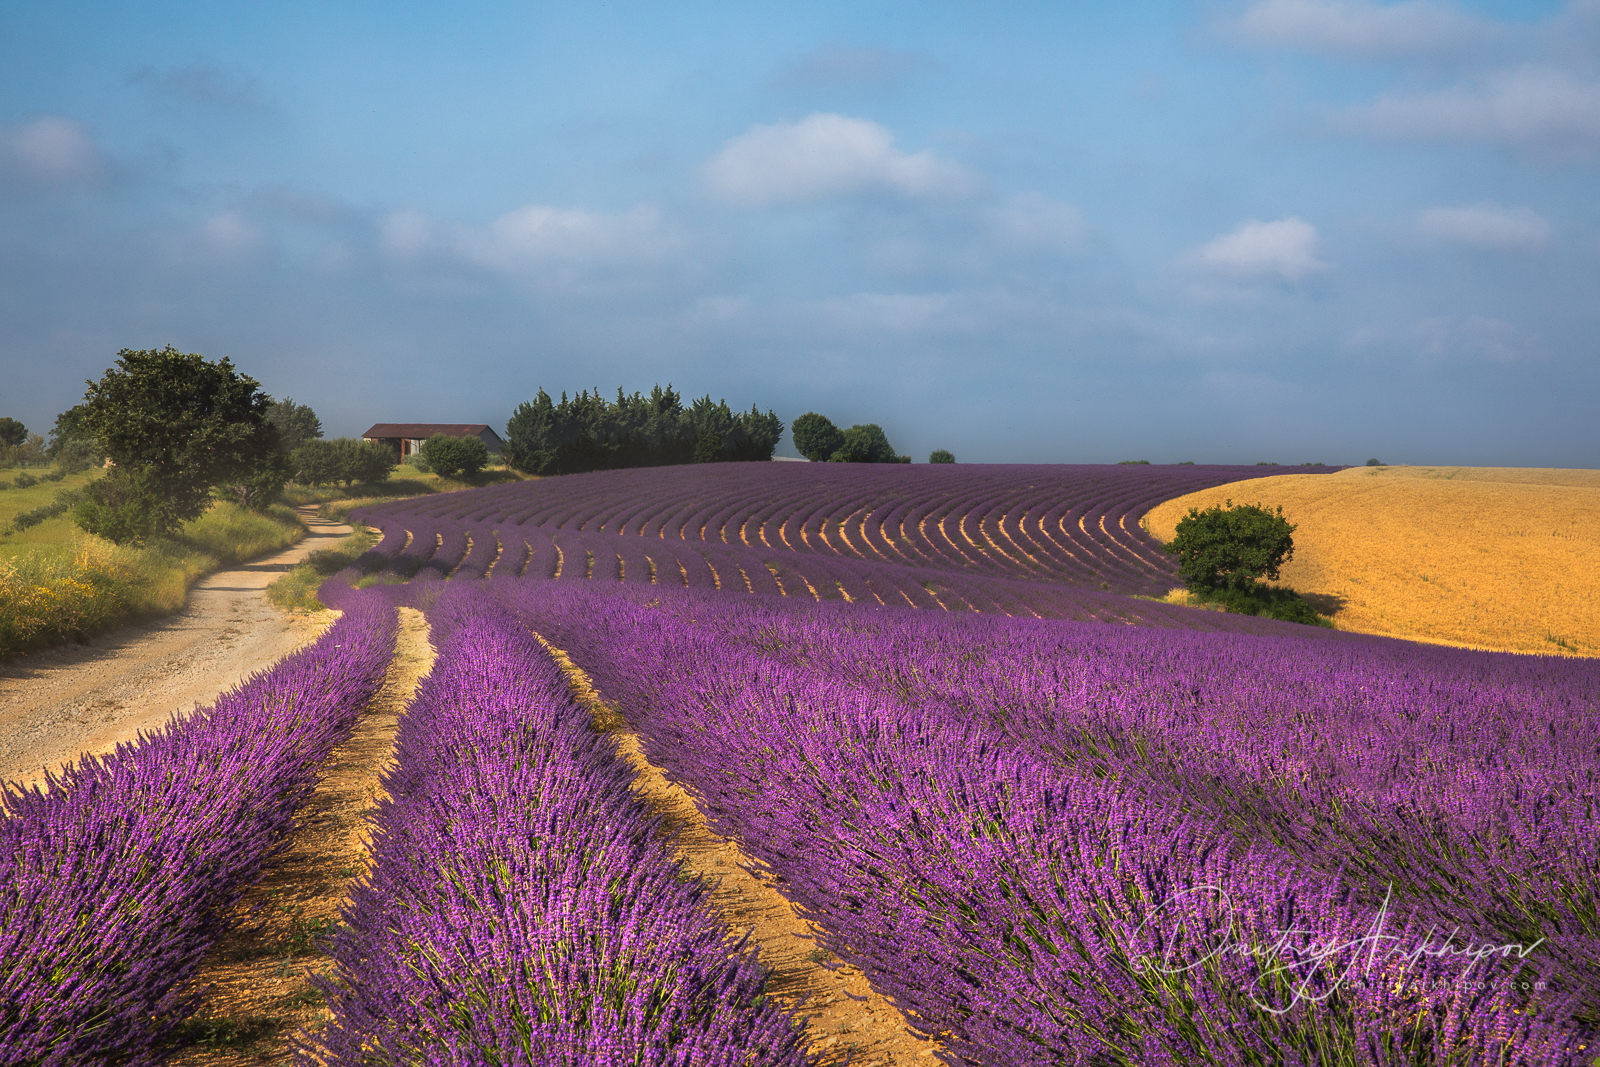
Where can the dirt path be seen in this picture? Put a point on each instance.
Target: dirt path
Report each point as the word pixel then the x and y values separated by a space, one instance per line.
pixel 60 703
pixel 848 1021
pixel 259 993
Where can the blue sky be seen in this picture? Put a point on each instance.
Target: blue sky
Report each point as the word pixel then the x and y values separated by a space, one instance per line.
pixel 1285 230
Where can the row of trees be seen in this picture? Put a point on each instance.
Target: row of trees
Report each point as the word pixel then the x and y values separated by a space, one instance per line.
pixel 589 432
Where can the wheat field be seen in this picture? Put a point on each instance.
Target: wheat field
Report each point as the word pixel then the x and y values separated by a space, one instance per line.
pixel 1500 558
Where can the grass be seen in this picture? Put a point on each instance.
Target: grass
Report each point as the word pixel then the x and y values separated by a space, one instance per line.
pixel 405 481
pixel 59 583
pixel 297 590
pixel 1486 557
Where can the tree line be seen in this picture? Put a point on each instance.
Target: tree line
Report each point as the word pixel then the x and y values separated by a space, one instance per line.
pixel 587 432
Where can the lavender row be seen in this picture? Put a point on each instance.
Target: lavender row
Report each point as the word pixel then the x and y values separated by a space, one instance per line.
pixel 448 548
pixel 522 907
pixel 1033 908
pixel 118 875
pixel 1075 525
pixel 1339 750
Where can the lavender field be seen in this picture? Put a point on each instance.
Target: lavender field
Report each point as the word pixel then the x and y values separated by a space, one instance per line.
pixel 1053 823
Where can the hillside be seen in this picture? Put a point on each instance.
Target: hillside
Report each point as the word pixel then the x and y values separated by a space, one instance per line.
pixel 1501 558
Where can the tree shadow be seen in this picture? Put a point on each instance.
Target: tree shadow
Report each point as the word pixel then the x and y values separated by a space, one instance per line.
pixel 1329 604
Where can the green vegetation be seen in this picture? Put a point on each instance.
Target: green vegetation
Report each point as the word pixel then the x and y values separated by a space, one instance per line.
pixel 296 423
pixel 588 432
pixel 1133 463
pixel 12 432
pixel 941 455
pixel 57 582
pixel 344 459
pixel 1376 463
pixel 1223 551
pixel 297 590
pixel 176 425
pixel 456 457
pixel 818 439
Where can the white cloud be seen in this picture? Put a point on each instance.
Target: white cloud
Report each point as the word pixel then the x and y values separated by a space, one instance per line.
pixel 1361 28
pixel 531 238
pixel 826 156
pixel 50 152
pixel 1533 107
pixel 230 234
pixel 1486 226
pixel 1475 338
pixel 1284 251
pixel 1032 220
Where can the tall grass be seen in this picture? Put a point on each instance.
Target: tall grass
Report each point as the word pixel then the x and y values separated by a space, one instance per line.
pixel 64 584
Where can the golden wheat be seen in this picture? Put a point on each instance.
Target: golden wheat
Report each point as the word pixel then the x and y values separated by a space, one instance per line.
pixel 1488 557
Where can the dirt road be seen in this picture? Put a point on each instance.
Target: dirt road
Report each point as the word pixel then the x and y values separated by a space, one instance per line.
pixel 59 703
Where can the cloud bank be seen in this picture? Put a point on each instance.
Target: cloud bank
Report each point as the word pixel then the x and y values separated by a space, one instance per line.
pixel 826 156
pixel 1486 226
pixel 1281 251
pixel 48 153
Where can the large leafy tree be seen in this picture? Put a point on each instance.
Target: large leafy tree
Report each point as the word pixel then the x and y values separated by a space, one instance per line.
pixel 1228 547
pixel 296 423
pixel 816 437
pixel 455 457
pixel 12 432
pixel 175 425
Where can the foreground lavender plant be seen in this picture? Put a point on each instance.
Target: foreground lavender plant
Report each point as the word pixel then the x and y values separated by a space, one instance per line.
pixel 522 907
pixel 1056 843
pixel 119 875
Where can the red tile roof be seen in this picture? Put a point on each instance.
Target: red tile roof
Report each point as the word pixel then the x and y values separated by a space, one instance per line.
pixel 423 430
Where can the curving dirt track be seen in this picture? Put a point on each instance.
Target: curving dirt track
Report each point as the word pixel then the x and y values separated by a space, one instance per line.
pixel 61 703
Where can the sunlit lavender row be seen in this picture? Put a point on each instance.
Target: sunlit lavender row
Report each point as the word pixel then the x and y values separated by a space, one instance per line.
pixel 522 907
pixel 1053 842
pixel 119 874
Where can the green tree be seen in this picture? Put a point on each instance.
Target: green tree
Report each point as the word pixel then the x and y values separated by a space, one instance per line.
pixel 12 432
pixel 708 448
pixel 176 425
pixel 296 423
pixel 1229 548
pixel 866 443
pixel 127 506
pixel 72 446
pixel 316 463
pixel 941 455
pixel 816 437
pixel 373 462
pixel 455 457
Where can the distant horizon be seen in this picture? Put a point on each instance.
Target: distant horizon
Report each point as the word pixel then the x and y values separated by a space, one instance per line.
pixel 1020 232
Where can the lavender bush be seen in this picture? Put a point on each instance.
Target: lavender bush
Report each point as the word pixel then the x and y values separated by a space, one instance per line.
pixel 522 906
pixel 120 873
pixel 1065 844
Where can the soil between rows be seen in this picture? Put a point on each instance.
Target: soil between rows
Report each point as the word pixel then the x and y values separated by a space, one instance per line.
pixel 260 994
pixel 848 1020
